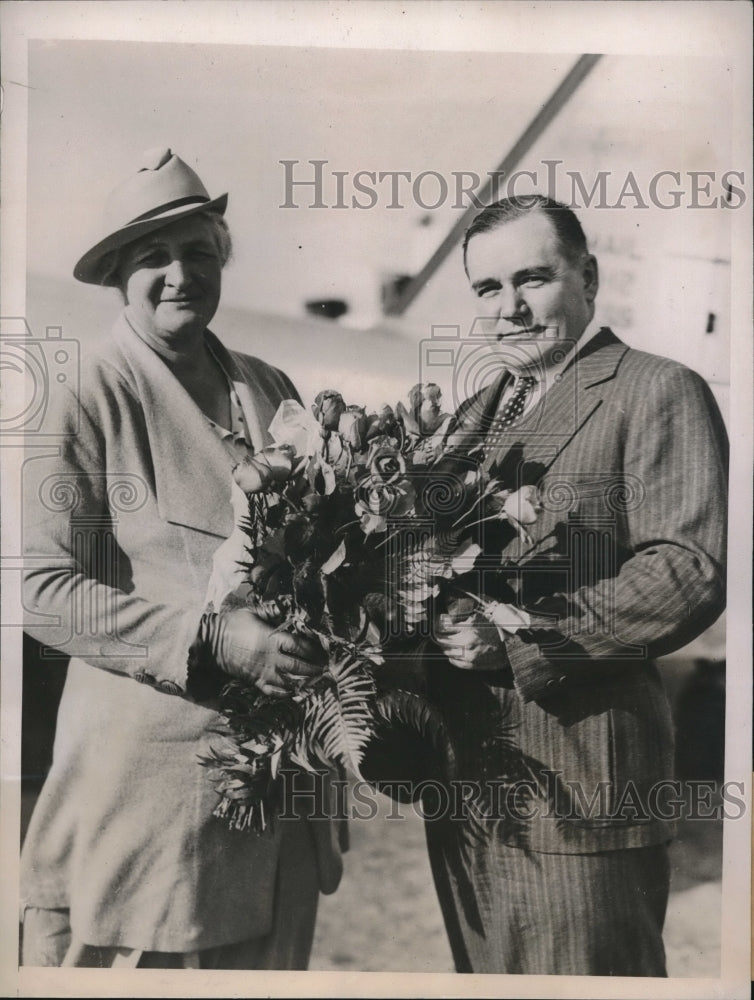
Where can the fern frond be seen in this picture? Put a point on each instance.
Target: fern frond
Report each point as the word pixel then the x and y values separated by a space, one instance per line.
pixel 339 719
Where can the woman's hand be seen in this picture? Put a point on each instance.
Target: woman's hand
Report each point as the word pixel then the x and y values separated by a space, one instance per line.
pixel 472 643
pixel 247 648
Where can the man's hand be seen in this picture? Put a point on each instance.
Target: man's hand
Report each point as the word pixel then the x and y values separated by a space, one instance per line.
pixel 472 643
pixel 247 648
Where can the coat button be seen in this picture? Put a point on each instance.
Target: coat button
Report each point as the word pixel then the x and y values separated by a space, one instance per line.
pixel 562 679
pixel 169 687
pixel 143 677
pixel 551 683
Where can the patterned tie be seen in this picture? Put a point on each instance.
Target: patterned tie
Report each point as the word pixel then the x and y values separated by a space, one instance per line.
pixel 515 405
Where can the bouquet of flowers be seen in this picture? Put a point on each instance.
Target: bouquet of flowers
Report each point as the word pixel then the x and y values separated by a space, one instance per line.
pixel 356 529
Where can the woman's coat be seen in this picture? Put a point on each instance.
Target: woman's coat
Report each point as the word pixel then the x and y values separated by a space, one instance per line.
pixel 122 515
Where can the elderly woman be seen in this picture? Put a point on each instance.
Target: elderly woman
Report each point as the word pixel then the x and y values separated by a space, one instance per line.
pixel 123 862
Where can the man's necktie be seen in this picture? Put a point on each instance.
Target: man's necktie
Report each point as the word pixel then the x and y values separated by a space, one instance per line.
pixel 515 405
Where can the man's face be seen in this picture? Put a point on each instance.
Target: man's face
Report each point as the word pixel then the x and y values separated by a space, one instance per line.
pixel 534 301
pixel 171 280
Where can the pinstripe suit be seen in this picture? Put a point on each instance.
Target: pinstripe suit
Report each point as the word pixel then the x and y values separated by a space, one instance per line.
pixel 625 563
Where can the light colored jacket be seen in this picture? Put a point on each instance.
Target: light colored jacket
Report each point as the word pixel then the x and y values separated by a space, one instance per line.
pixel 121 520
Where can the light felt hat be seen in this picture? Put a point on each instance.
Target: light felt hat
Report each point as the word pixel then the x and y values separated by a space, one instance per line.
pixel 163 190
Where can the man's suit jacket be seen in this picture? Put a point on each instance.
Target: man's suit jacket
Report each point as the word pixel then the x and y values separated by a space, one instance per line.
pixel 122 516
pixel 626 562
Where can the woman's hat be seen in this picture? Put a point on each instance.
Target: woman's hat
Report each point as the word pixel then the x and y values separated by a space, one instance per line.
pixel 163 190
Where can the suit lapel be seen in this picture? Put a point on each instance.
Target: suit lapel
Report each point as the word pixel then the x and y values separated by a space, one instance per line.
pixel 473 418
pixel 191 467
pixel 540 437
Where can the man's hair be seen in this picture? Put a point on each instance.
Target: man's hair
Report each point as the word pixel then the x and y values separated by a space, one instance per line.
pixel 568 231
pixel 112 262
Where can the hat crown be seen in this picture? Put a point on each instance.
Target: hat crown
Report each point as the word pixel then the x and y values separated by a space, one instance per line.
pixel 163 181
pixel 161 191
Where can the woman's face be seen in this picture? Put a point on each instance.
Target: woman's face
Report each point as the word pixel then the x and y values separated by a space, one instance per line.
pixel 171 280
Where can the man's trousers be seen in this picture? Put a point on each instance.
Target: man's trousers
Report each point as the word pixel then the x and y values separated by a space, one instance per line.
pixel 512 910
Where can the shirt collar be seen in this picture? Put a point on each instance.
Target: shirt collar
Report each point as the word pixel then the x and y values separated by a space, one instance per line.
pixel 237 434
pixel 589 334
pixel 553 370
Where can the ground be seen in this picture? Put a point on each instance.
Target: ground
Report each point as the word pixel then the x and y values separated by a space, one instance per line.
pixel 385 915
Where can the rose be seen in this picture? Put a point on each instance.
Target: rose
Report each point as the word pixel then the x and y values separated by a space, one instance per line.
pixel 266 470
pixel 295 426
pixel 321 476
pixel 370 523
pixel 396 499
pixel 385 463
pixel 337 454
pixel 431 393
pixel 430 416
pixel 328 408
pixel 349 430
pixel 385 489
pixel 352 426
pixel 382 424
pixel 523 506
pixel 426 416
pixel 519 508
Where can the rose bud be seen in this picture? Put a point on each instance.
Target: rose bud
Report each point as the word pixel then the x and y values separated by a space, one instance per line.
pixel 250 477
pixel 265 470
pixel 432 392
pixel 523 505
pixel 415 396
pixel 362 420
pixel 328 407
pixel 382 423
pixel 349 429
pixel 387 422
pixel 430 415
pixel 407 419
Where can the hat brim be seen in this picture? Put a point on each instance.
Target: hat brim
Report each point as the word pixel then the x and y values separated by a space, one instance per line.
pixel 89 267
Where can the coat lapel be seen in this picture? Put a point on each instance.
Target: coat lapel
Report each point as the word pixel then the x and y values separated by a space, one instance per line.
pixel 563 411
pixel 257 408
pixel 191 467
pixel 473 418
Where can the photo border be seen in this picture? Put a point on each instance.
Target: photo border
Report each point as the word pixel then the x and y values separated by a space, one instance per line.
pixel 702 28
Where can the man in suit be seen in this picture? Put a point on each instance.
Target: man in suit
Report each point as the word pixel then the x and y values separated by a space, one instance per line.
pixel 560 719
